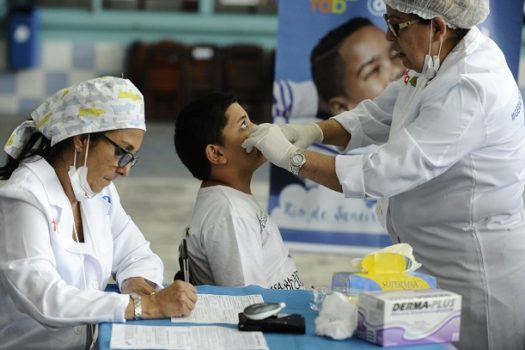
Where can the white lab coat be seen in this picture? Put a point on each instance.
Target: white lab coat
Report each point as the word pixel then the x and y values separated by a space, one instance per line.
pixel 453 168
pixel 51 286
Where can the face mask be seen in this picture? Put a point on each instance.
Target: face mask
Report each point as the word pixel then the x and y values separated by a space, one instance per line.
pixel 78 179
pixel 431 64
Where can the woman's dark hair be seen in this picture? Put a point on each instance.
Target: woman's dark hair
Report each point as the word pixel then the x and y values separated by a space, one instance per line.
pixel 37 145
pixel 460 32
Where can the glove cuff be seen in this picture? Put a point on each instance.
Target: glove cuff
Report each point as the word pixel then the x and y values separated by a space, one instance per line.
pixel 319 132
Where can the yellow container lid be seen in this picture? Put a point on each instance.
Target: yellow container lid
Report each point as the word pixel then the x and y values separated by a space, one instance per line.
pixel 384 263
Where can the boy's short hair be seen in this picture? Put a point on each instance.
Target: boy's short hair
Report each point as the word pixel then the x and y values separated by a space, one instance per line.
pixel 199 124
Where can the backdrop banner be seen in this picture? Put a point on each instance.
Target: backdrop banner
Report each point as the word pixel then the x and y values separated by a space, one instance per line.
pixel 310 216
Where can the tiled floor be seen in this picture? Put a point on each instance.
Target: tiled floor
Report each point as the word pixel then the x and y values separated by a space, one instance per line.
pixel 159 196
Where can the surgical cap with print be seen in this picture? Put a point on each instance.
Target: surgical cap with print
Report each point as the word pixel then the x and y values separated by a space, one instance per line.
pixel 95 105
pixel 457 13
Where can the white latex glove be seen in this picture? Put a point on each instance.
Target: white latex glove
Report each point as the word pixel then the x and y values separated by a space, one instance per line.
pixel 272 143
pixel 303 135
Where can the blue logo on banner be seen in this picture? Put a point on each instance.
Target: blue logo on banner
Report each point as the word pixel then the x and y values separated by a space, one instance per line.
pixel 376 7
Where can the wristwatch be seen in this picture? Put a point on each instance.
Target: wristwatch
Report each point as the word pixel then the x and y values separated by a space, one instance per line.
pixel 137 305
pixel 296 161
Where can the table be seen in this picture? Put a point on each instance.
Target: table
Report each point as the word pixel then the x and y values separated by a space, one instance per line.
pixel 297 301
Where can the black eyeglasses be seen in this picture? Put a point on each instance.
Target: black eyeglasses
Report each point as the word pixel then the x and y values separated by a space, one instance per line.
pixel 395 27
pixel 126 157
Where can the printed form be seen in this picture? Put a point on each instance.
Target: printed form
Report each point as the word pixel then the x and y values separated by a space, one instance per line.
pixel 125 336
pixel 211 308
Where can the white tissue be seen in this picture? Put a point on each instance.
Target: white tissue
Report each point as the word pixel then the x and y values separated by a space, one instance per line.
pixel 406 250
pixel 338 317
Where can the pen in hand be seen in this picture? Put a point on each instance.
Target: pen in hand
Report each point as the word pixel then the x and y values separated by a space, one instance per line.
pixel 185 258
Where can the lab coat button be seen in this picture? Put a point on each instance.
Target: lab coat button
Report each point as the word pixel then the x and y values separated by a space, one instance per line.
pixel 78 330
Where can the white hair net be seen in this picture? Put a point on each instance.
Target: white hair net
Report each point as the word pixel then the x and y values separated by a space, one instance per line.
pixel 95 105
pixel 457 13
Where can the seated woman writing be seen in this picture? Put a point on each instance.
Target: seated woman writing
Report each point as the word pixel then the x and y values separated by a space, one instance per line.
pixel 64 233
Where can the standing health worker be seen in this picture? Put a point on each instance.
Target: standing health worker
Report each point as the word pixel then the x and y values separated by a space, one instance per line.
pixel 451 161
pixel 63 231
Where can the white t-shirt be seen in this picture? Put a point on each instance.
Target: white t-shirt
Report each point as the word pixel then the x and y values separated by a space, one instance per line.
pixel 233 242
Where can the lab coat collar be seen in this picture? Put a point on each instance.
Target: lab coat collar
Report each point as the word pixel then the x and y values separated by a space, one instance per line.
pixel 464 47
pixel 55 194
pixel 52 195
pixel 466 44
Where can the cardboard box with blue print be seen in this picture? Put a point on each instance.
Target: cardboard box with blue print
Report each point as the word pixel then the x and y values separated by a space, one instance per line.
pixel 361 282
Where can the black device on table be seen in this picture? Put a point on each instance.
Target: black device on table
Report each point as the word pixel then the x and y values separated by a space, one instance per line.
pixel 265 317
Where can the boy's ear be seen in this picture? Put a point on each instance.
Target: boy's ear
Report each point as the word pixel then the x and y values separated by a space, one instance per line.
pixel 215 154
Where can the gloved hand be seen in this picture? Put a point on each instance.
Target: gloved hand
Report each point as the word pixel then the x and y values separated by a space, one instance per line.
pixel 302 135
pixel 272 143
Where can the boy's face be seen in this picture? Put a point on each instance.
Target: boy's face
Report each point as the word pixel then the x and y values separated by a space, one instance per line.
pixel 235 132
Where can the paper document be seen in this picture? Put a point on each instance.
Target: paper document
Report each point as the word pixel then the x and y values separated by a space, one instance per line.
pixel 125 336
pixel 211 308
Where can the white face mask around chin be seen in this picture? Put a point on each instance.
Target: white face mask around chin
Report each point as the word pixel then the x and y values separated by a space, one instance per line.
pixel 79 183
pixel 432 63
pixel 431 66
pixel 78 178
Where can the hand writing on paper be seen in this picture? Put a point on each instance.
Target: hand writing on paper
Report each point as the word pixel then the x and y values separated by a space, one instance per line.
pixel 176 300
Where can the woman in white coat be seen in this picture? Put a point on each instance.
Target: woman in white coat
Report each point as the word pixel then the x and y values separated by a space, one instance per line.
pixel 63 231
pixel 451 161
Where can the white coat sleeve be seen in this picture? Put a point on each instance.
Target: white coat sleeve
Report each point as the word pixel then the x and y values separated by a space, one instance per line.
pixel 448 126
pixel 132 254
pixel 234 253
pixel 29 276
pixel 369 122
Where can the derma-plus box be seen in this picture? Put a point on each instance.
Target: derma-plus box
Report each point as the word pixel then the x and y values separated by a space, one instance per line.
pixel 409 317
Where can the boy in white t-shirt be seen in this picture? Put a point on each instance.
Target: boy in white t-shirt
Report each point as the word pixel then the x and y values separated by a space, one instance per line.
pixel 232 241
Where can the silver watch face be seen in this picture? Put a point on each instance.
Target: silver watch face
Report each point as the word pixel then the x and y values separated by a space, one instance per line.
pixel 298 159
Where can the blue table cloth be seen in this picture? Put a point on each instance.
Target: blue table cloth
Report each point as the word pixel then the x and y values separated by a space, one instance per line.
pixel 297 301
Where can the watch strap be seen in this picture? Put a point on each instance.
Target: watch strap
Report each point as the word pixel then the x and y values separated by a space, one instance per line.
pixel 294 168
pixel 137 305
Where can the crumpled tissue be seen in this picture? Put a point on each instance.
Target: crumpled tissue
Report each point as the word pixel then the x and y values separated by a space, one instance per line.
pixel 337 318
